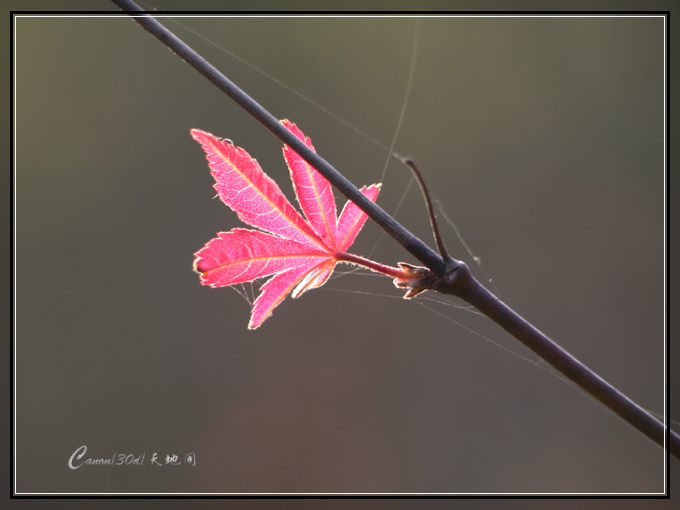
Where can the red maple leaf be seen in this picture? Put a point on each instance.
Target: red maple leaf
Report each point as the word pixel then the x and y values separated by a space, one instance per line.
pixel 300 254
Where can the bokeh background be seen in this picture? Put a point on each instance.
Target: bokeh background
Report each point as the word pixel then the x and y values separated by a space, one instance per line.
pixel 543 138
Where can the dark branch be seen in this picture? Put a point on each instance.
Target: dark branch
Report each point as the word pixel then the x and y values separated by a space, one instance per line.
pixel 448 276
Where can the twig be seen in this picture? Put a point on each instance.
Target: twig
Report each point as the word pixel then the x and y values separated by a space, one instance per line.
pixel 447 276
pixel 428 203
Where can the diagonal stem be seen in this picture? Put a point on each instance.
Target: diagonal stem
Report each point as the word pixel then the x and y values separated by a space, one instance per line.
pixel 452 276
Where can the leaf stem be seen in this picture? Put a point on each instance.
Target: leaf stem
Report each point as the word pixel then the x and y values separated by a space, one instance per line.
pixel 374 266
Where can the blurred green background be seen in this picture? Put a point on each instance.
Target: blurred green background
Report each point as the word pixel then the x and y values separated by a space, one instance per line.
pixel 542 137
